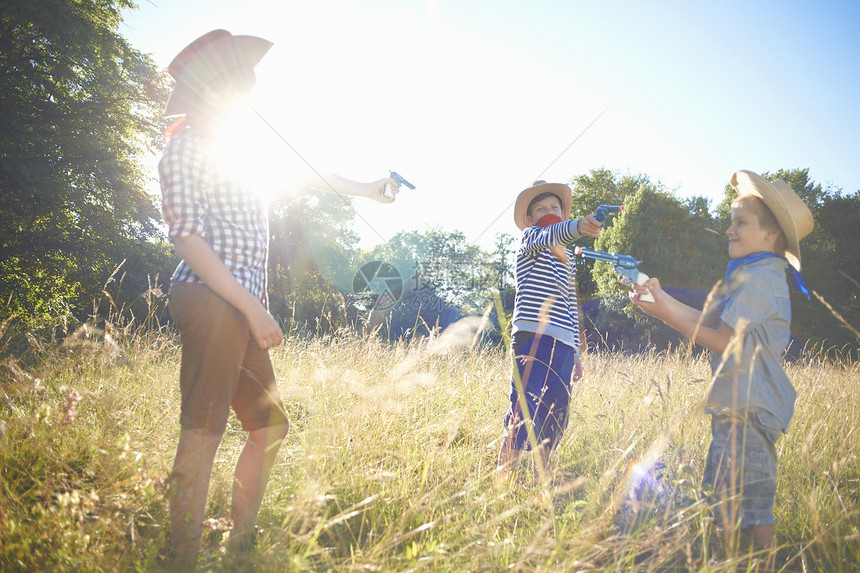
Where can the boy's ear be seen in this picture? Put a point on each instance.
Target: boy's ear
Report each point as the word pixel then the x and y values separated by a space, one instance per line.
pixel 773 236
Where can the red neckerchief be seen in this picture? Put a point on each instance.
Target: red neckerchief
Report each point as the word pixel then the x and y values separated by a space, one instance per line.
pixel 557 250
pixel 174 128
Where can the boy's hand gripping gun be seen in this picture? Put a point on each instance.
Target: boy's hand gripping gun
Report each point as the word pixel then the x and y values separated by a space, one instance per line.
pixel 401 182
pixel 601 212
pixel 625 265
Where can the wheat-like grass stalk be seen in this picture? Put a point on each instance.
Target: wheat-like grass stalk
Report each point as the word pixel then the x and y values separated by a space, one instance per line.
pixel 390 463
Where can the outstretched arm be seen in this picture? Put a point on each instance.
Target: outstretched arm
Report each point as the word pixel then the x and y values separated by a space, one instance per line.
pixel 336 184
pixel 206 265
pixel 683 318
pixel 539 238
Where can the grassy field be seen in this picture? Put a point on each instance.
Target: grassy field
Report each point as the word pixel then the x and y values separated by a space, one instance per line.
pixel 390 463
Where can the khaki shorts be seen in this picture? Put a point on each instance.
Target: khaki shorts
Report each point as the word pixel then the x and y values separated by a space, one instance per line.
pixel 222 365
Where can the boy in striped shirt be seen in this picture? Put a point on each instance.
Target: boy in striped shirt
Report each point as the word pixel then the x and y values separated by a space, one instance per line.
pixel 545 335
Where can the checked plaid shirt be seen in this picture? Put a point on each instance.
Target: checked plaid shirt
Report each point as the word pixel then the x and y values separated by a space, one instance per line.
pixel 200 198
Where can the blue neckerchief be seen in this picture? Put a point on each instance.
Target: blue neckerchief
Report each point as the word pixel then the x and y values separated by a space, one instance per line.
pixel 796 278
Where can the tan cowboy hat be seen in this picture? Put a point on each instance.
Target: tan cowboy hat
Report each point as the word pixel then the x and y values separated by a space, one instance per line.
pixel 790 211
pixel 560 190
pixel 206 58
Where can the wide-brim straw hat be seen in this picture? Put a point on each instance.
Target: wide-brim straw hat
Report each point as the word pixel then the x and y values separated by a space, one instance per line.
pixel 792 214
pixel 206 58
pixel 526 196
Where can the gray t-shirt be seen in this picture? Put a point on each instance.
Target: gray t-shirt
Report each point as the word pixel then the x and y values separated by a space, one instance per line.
pixel 749 375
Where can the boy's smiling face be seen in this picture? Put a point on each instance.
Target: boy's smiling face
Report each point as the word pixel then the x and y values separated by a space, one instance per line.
pixel 547 206
pixel 746 235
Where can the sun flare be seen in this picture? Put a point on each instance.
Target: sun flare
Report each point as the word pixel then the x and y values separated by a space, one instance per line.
pixel 248 151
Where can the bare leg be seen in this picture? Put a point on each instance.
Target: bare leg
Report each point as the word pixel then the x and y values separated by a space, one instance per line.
pixel 249 482
pixel 761 537
pixel 192 469
pixel 509 459
pixel 541 467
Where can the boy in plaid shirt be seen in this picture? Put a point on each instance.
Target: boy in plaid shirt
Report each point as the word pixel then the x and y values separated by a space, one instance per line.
pixel 218 296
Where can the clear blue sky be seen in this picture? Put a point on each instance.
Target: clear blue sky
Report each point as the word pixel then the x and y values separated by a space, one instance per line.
pixel 472 100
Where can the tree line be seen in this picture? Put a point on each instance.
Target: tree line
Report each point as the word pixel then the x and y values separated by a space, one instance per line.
pixel 80 121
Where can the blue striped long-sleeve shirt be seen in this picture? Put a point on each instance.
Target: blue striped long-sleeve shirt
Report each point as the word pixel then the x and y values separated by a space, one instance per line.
pixel 545 300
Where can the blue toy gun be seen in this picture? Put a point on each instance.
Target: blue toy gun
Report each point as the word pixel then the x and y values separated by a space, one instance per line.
pixel 624 265
pixel 601 212
pixel 401 182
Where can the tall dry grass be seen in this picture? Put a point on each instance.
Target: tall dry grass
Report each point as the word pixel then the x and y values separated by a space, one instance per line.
pixel 390 462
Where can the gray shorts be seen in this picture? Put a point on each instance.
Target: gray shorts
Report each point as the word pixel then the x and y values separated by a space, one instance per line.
pixel 741 467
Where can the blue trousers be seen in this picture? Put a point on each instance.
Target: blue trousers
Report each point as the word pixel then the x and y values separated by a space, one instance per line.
pixel 545 368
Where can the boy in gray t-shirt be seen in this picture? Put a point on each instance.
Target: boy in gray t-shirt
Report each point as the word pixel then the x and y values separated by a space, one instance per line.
pixel 751 399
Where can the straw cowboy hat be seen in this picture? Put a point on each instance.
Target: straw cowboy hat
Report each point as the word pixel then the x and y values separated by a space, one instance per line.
pixel 206 58
pixel 790 211
pixel 560 190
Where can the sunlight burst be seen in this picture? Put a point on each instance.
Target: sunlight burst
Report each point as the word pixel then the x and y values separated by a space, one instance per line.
pixel 246 151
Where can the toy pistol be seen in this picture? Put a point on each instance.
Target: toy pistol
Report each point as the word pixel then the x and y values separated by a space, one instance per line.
pixel 601 212
pixel 625 265
pixel 401 182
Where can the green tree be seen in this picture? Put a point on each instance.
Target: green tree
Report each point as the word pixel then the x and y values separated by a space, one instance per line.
pixel 79 116
pixel 648 229
pixel 602 187
pixel 445 277
pixel 589 191
pixel 503 266
pixel 838 220
pixel 675 243
pixel 458 272
pixel 312 260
